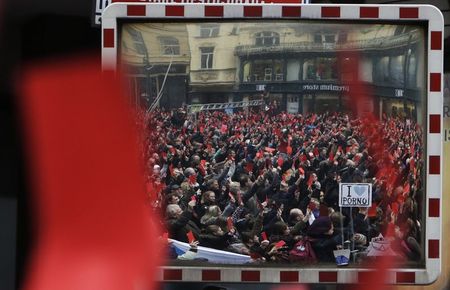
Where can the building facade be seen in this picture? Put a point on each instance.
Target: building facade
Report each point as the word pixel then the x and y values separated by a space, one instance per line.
pixel 156 57
pixel 311 67
pixel 213 73
pixel 303 66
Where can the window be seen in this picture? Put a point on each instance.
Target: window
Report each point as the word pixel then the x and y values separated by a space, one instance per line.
pixel 262 70
pixel 412 69
pixel 247 72
pixel 169 46
pixel 329 38
pixel 325 38
pixel 342 37
pixel 206 57
pixel 278 70
pixel 267 38
pixel 139 44
pixel 381 70
pixel 209 30
pixel 396 69
pixel 318 38
pixel 268 74
pixel 320 68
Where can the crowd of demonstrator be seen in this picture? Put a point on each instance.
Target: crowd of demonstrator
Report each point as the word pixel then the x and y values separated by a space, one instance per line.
pixel 257 182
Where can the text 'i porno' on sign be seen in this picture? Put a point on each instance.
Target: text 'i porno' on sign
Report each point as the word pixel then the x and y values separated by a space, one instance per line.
pixel 355 194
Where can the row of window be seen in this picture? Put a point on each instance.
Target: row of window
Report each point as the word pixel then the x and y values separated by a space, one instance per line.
pixel 270 38
pixel 387 70
pixel 171 45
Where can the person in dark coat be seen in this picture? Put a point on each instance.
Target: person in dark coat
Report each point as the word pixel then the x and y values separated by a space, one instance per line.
pixel 216 238
pixel 179 222
pixel 322 239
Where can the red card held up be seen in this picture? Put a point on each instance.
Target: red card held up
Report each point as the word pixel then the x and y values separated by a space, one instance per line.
pixel 229 223
pixel 372 210
pixel 323 210
pixel 264 236
pixel 190 236
pixel 280 244
pixel 395 207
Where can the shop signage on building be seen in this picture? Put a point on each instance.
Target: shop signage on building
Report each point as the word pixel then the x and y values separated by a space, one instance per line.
pixel 325 87
pixel 399 93
pixel 260 88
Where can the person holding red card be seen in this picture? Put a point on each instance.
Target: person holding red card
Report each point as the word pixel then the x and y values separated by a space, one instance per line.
pixel 214 237
pixel 322 239
pixel 179 222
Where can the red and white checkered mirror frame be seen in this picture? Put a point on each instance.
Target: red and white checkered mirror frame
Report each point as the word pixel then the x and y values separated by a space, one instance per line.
pixel 216 11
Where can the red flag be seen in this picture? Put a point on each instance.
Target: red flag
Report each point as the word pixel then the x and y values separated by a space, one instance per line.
pixel 264 236
pixel 280 244
pixel 223 129
pixel 331 156
pixel 289 150
pixel 316 151
pixel 372 212
pixel 114 229
pixel 301 170
pixel 323 210
pixel 310 180
pixel 193 179
pixel 280 161
pixel 394 207
pixel 270 150
pixel 278 132
pixel 412 164
pixel 229 223
pixel 171 169
pixel 406 188
pixel 259 154
pixel 190 237
pixel 202 167
pixel 249 167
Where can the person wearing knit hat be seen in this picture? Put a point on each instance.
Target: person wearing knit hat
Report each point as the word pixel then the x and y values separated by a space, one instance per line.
pixel 323 240
pixel 321 226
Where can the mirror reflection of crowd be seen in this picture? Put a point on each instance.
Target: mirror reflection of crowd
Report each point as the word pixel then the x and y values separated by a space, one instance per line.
pixel 244 182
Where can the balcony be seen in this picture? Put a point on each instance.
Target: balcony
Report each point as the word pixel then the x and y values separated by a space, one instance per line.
pixel 380 43
pixel 213 76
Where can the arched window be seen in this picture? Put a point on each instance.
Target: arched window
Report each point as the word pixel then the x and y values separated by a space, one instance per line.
pixel 169 46
pixel 267 38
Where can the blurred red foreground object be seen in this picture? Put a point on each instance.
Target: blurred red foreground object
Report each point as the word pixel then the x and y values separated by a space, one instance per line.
pixel 88 188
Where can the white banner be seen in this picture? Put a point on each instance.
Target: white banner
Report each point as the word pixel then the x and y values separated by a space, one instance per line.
pixel 212 255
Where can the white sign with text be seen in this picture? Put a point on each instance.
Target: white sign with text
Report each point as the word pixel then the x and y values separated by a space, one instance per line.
pixel 355 194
